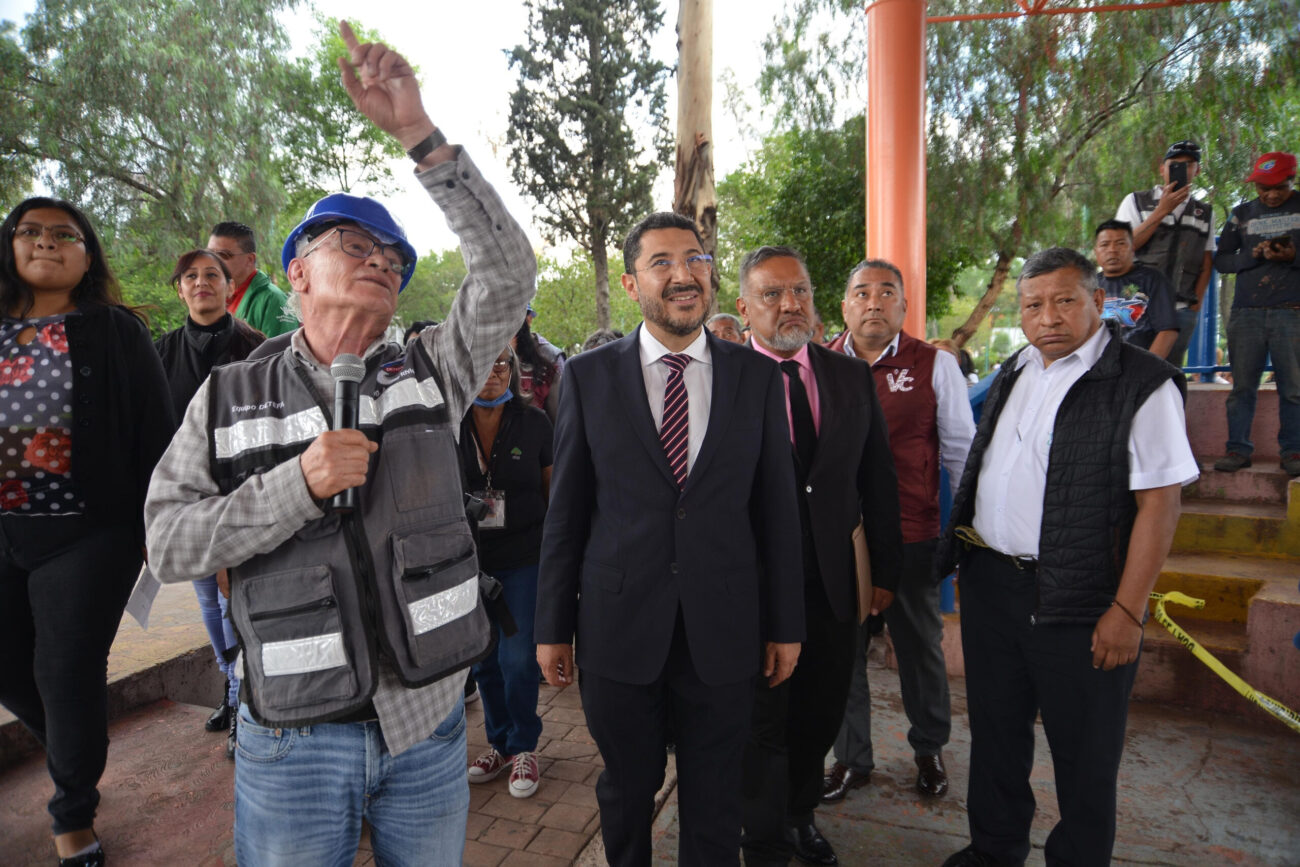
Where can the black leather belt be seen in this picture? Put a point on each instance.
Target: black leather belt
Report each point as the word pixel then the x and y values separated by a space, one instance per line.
pixel 973 541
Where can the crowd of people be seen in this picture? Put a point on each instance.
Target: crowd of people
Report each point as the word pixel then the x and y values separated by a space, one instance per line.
pixel 701 523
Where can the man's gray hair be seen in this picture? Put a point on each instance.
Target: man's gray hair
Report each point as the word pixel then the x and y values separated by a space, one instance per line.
pixel 733 318
pixel 884 264
pixel 754 258
pixel 1058 258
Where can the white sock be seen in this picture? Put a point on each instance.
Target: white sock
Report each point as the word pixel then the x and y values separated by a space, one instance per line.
pixel 93 847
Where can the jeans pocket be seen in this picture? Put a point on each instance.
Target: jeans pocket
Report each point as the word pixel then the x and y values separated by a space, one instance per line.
pixel 451 727
pixel 257 743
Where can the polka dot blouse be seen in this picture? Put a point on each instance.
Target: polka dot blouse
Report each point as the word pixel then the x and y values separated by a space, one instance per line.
pixel 36 419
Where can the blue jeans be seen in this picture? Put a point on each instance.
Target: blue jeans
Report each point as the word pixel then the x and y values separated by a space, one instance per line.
pixel 507 680
pixel 221 635
pixel 301 793
pixel 1255 333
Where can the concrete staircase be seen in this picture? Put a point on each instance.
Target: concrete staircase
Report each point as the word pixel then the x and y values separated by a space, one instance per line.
pixel 1237 547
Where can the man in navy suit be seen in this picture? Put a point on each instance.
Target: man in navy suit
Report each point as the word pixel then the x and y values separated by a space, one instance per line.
pixel 844 474
pixel 671 550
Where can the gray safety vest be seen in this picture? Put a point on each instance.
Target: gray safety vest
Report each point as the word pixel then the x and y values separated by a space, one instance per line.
pixel 397 581
pixel 1177 247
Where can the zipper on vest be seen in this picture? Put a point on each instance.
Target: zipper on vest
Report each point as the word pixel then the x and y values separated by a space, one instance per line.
pixel 305 608
pixel 419 571
pixel 363 569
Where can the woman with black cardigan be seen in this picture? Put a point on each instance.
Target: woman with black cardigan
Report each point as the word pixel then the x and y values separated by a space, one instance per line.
pixel 84 416
pixel 209 337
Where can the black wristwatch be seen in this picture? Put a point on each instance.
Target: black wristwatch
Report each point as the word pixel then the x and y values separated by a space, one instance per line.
pixel 430 144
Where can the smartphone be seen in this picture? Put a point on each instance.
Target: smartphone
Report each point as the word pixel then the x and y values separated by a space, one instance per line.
pixel 1178 174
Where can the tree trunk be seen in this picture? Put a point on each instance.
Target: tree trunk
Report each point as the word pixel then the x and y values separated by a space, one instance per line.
pixel 693 191
pixel 1008 252
pixel 600 261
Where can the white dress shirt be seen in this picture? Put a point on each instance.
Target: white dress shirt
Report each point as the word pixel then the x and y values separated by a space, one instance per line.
pixel 952 409
pixel 1013 475
pixel 698 378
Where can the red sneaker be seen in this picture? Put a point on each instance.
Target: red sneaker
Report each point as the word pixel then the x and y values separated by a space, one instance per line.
pixel 487 767
pixel 524 775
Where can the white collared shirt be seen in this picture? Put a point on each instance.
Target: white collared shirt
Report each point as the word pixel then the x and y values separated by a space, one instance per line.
pixel 698 378
pixel 1013 475
pixel 953 417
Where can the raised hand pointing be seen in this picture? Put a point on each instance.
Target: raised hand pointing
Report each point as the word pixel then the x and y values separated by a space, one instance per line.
pixel 382 86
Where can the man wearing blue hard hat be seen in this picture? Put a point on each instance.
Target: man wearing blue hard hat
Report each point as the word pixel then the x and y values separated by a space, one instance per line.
pixel 354 585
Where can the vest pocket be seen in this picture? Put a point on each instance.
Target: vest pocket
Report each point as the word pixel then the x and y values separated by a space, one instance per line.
pixel 438 589
pixel 294 639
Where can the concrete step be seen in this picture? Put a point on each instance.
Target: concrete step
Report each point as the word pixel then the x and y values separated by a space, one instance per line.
pixel 1227 582
pixel 1207 420
pixel 1223 527
pixel 1261 482
pixel 1169 674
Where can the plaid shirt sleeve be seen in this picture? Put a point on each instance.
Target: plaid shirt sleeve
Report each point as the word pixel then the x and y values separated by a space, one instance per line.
pixel 192 530
pixel 490 306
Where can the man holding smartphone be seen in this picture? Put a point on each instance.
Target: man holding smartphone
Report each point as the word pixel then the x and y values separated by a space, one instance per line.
pixel 1259 246
pixel 1172 232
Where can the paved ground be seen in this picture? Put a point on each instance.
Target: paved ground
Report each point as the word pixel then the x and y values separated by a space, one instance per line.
pixel 1195 789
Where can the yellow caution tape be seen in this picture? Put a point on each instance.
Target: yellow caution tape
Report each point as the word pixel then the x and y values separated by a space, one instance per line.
pixel 1272 705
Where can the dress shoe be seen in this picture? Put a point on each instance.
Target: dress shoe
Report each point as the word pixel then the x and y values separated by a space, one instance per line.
pixel 810 846
pixel 840 780
pixel 932 781
pixel 220 719
pixel 971 857
pixel 232 738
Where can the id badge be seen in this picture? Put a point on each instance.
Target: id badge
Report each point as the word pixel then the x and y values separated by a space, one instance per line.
pixel 496 503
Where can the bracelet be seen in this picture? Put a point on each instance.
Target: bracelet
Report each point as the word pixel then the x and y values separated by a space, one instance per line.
pixel 430 144
pixel 1136 622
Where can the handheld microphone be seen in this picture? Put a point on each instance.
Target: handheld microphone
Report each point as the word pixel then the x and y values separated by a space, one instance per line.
pixel 347 371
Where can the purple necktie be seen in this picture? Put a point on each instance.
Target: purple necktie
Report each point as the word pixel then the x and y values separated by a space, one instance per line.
pixel 674 432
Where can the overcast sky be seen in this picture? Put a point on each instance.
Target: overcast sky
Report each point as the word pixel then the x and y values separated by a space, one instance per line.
pixel 458 48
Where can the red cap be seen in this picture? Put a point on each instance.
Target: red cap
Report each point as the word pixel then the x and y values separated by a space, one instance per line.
pixel 1273 168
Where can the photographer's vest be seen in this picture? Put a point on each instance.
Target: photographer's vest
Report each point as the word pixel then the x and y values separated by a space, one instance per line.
pixel 1177 247
pixel 397 581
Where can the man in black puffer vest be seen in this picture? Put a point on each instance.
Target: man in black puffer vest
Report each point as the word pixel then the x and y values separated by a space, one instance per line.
pixel 1065 513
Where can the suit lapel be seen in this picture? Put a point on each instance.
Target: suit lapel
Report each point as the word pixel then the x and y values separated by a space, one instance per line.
pixel 636 403
pixel 827 400
pixel 725 371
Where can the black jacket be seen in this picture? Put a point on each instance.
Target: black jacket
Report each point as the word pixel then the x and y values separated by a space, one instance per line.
pixel 1088 509
pixel 122 418
pixel 190 352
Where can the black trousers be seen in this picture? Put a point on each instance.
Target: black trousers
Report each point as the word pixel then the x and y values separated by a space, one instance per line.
pixel 1014 671
pixel 63 585
pixel 630 724
pixel 794 725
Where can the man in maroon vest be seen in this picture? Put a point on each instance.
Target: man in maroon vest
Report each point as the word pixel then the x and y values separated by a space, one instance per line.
pixel 924 398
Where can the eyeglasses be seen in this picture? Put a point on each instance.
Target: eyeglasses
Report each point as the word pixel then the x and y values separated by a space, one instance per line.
pixel 501 365
pixel 772 297
pixel 359 245
pixel 699 265
pixel 226 255
pixel 33 232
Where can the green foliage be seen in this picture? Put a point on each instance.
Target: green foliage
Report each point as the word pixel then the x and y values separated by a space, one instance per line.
pixel 587 85
pixel 434 284
pixel 330 147
pixel 1039 126
pixel 563 302
pixel 806 188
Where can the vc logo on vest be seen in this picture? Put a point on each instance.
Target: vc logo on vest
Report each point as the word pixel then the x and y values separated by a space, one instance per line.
pixel 901 381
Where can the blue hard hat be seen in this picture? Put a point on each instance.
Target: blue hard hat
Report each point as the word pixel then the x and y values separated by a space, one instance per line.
pixel 363 211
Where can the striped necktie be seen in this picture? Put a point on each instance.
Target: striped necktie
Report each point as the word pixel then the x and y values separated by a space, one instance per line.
pixel 674 432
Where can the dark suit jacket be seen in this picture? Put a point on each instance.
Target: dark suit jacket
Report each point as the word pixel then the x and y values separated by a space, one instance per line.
pixel 852 478
pixel 623 549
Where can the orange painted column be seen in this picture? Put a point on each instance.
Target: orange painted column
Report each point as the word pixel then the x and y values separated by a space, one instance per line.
pixel 896 146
